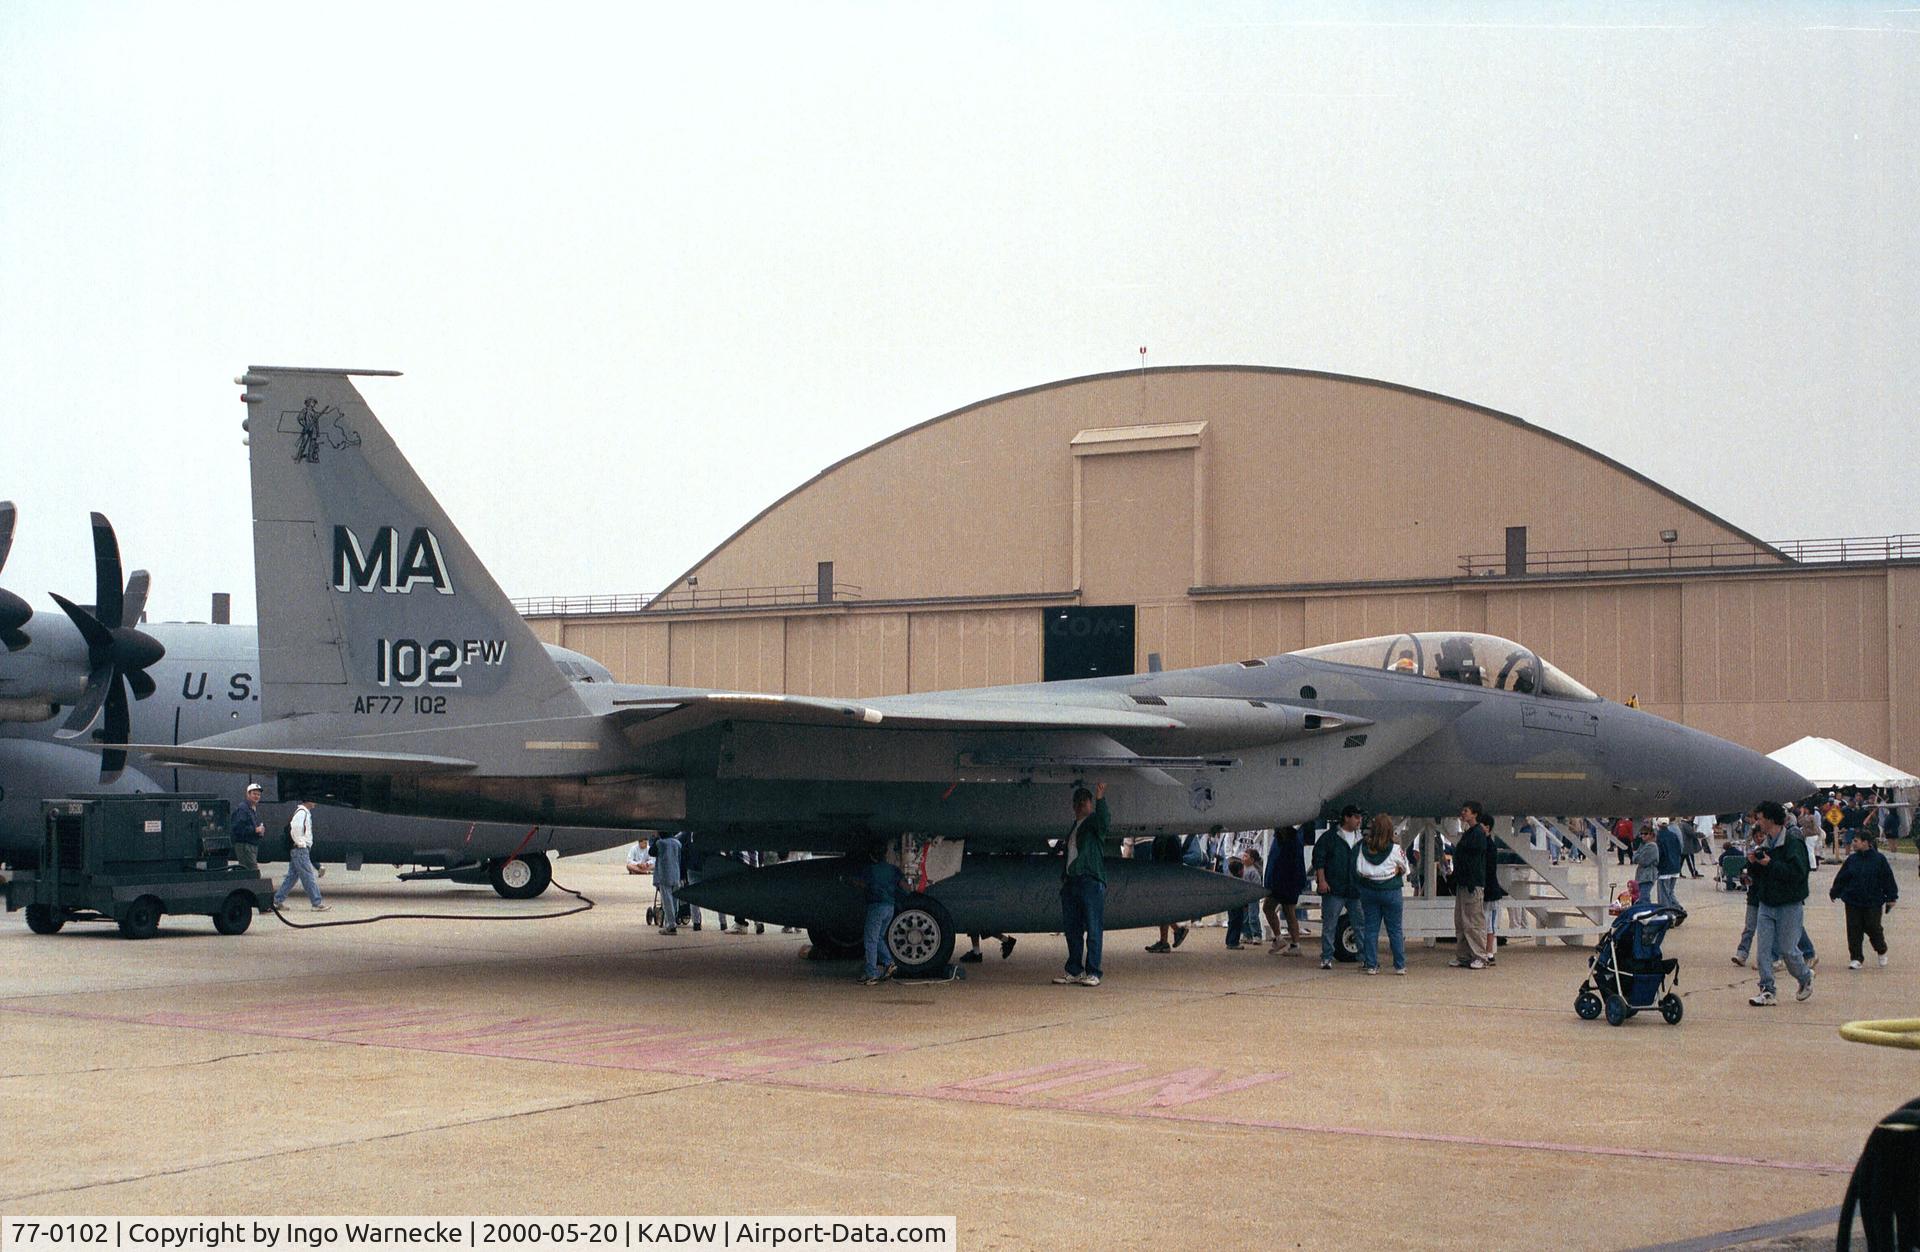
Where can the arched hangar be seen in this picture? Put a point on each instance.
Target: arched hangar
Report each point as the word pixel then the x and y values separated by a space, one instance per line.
pixel 1193 515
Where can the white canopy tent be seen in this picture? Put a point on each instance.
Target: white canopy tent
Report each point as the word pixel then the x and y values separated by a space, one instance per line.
pixel 1830 763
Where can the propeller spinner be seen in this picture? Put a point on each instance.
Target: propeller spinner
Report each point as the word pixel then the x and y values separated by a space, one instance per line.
pixel 117 654
pixel 14 612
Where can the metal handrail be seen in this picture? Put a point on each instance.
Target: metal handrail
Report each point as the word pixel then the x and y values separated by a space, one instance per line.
pixel 683 598
pixel 1699 555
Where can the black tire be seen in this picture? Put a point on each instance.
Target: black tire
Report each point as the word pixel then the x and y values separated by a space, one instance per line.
pixel 832 945
pixel 1616 1011
pixel 1346 940
pixel 1587 1005
pixel 920 937
pixel 44 919
pixel 235 915
pixel 1672 1008
pixel 520 877
pixel 142 918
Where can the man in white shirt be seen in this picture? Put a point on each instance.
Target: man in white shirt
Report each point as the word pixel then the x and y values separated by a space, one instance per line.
pixel 300 859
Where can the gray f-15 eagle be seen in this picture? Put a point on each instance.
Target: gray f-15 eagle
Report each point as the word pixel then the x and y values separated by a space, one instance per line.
pixel 398 677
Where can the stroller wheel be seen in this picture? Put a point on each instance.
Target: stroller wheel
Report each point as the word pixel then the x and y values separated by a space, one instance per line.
pixel 1616 1011
pixel 1672 1008
pixel 1587 1005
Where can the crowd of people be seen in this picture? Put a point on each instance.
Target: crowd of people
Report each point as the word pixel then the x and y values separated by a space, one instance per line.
pixel 1362 868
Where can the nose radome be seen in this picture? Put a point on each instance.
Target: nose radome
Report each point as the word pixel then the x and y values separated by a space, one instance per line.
pixel 1727 778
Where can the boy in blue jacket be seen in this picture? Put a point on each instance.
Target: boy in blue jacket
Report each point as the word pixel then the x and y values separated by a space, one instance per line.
pixel 1865 885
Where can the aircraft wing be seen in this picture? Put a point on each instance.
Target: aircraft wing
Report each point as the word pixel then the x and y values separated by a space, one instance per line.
pixel 645 722
pixel 301 760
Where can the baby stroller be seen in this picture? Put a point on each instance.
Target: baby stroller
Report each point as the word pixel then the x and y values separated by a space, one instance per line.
pixel 1628 973
pixel 1733 870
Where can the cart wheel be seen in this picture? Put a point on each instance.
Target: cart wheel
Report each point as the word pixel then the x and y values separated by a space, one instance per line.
pixel 1587 1005
pixel 44 919
pixel 235 915
pixel 1616 1010
pixel 1671 1008
pixel 142 920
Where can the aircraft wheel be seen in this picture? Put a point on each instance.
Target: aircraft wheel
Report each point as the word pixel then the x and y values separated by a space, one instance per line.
pixel 1616 1010
pixel 44 919
pixel 829 945
pixel 142 918
pixel 521 877
pixel 1587 1005
pixel 1346 941
pixel 920 936
pixel 235 915
pixel 1672 1008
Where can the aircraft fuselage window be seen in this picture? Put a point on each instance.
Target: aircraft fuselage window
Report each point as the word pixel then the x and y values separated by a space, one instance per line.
pixel 1471 659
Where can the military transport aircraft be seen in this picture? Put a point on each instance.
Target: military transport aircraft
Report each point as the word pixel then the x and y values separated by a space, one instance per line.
pixel 188 680
pixel 397 677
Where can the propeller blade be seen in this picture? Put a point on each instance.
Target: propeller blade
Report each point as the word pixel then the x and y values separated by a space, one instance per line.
pixel 14 612
pixel 106 572
pixel 136 598
pixel 117 730
pixel 142 685
pixel 118 722
pixel 89 706
pixel 99 638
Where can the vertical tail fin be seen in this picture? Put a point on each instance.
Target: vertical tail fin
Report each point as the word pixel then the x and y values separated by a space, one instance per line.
pixel 370 601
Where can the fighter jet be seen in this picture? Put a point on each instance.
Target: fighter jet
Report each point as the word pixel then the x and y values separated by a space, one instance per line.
pixel 187 680
pixel 397 677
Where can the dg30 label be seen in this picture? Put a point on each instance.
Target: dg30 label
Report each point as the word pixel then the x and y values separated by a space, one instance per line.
pixel 411 663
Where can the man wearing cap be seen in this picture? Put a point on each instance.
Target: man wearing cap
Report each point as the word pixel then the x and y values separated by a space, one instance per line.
pixel 1335 878
pixel 246 829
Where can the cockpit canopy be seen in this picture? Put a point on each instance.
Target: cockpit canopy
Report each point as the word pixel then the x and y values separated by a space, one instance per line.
pixel 1457 657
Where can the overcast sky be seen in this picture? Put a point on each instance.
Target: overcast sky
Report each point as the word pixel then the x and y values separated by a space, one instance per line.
pixel 648 269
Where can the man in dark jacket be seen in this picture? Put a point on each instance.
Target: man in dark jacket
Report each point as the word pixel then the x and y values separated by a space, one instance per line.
pixel 247 829
pixel 1083 887
pixel 1336 880
pixel 1778 869
pixel 1472 862
pixel 1865 885
pixel 1672 855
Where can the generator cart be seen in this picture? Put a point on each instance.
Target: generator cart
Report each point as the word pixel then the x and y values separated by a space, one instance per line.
pixel 131 859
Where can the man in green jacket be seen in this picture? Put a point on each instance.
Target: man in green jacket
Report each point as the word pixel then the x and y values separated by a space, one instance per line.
pixel 1778 870
pixel 1083 887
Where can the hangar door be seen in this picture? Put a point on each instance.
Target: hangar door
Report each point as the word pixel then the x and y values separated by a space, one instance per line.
pixel 1086 641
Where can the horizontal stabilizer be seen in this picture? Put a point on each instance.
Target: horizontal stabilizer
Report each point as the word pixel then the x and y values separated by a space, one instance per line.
pixel 301 760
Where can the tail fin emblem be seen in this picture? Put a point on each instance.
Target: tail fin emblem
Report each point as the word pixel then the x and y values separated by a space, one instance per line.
pixel 309 421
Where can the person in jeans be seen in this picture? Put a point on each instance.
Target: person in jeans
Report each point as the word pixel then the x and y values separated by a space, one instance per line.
pixel 881 877
pixel 1646 865
pixel 1382 872
pixel 1865 886
pixel 1083 887
pixel 1779 871
pixel 1745 945
pixel 666 881
pixel 1333 878
pixel 300 860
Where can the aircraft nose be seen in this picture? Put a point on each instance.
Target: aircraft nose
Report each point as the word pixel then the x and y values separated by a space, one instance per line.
pixel 1727 778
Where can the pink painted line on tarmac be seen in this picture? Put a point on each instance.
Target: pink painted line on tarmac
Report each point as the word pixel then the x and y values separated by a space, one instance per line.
pixel 1155 1111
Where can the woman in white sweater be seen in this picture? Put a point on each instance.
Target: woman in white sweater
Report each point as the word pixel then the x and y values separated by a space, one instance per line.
pixel 1383 872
